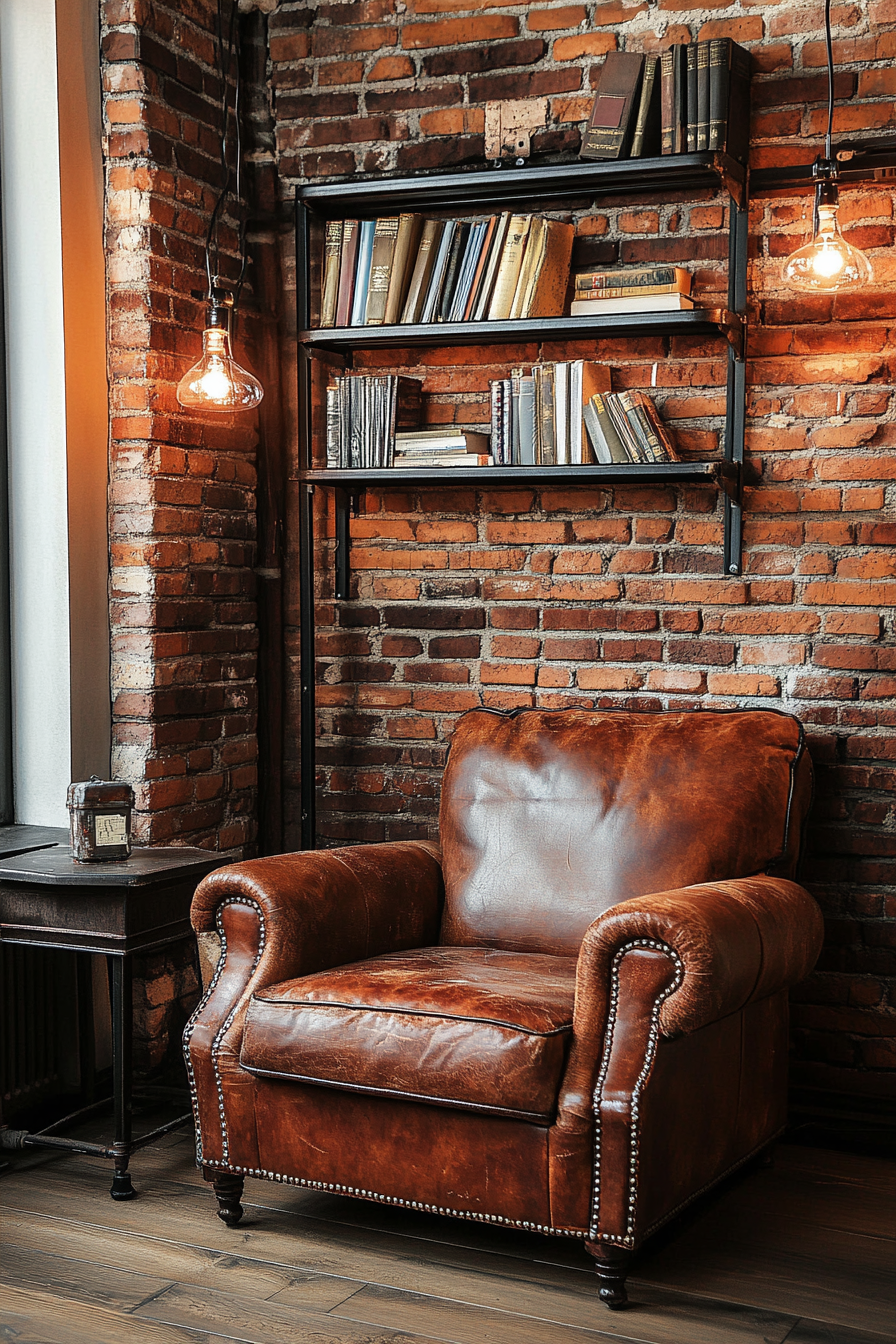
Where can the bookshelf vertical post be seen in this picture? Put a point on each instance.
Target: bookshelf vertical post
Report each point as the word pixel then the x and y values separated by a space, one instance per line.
pixel 736 408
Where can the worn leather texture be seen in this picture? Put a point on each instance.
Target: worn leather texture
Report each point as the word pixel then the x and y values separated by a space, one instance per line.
pixel 634 869
pixel 452 1160
pixel 470 1027
pixel 549 818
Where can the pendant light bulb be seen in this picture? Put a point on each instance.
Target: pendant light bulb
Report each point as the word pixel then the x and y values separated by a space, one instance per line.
pixel 216 382
pixel 828 264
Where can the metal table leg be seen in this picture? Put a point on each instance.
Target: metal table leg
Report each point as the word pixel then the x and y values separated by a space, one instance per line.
pixel 122 1036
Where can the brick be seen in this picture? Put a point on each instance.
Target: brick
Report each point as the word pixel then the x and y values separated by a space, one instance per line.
pixel 741 684
pixel 566 16
pixel 451 32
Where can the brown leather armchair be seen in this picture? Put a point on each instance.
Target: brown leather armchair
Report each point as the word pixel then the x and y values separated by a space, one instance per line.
pixel 574 1020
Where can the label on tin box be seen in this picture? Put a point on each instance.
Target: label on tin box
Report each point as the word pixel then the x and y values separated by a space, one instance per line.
pixel 111 830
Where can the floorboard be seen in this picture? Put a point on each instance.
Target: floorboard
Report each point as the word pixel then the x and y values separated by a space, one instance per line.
pixel 804 1253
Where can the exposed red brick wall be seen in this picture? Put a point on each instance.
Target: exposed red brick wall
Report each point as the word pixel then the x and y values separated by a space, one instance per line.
pixel 516 597
pixel 182 501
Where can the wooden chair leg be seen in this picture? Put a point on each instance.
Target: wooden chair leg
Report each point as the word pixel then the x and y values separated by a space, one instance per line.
pixel 611 1264
pixel 228 1190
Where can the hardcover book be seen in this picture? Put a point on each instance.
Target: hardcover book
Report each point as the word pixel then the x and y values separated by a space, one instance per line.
pixel 646 138
pixel 403 258
pixel 330 286
pixel 384 238
pixel 509 267
pixel 673 99
pixel 612 120
pixel 419 284
pixel 347 272
pixel 729 98
pixel 362 271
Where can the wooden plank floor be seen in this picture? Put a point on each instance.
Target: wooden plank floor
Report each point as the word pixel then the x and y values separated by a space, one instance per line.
pixel 803 1252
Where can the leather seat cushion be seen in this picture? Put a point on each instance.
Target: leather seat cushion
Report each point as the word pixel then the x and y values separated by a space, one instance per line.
pixel 470 1027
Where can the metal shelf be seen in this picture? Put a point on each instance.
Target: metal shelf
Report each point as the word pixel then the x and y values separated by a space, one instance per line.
pixel 690 322
pixel 351 478
pixel 497 186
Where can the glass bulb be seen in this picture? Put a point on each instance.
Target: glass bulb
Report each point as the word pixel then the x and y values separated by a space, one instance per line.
pixel 829 263
pixel 217 383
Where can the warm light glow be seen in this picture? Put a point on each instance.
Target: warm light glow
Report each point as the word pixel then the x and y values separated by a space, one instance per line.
pixel 217 382
pixel 829 263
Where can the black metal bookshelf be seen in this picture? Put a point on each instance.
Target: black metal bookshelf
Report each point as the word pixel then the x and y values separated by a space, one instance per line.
pixel 538 187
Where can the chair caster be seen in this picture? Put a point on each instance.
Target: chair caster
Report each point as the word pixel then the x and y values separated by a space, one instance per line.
pixel 121 1185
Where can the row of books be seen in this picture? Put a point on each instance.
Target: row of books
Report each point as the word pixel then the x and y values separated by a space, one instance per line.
pixel 564 414
pixel 557 414
pixel 407 269
pixel 694 96
pixel 644 289
pixel 537 417
pixel 364 414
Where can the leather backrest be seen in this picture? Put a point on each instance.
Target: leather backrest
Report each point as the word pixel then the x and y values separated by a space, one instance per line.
pixel 548 818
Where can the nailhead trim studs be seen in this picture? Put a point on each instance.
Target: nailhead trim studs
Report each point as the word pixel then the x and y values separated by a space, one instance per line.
pixel 222 1031
pixel 653 1038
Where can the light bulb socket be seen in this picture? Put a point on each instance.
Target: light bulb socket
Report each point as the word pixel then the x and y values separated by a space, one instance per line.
pixel 220 307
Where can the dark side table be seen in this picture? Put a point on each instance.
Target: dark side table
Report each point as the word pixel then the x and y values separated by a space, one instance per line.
pixel 115 909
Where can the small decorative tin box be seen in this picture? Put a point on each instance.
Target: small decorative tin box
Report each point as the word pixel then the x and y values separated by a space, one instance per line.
pixel 100 812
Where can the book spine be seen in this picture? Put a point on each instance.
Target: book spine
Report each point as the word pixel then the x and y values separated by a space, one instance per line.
pixel 348 259
pixel 591 281
pixel 610 126
pixel 616 445
pixel 548 441
pixel 506 421
pixel 402 264
pixel 382 254
pixel 691 134
pixel 648 89
pixel 667 101
pixel 702 95
pixel 330 286
pixel 719 80
pixel 635 449
pixel 437 277
pixel 487 286
pixel 599 445
pixel 509 267
pixel 680 111
pixel 660 428
pixel 497 390
pixel 333 426
pixel 643 427
pixel 533 250
pixel 546 294
pixel 362 271
pixel 452 270
pixel 514 454
pixel 527 421
pixel 737 128
pixel 432 231
pixel 597 296
pixel 481 267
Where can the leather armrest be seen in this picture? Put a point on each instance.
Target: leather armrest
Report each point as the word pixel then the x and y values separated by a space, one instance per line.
pixel 703 951
pixel 284 917
pixel 322 908
pixel 735 941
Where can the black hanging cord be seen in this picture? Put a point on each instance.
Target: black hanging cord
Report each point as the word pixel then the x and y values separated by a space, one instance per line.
pixel 226 48
pixel 830 51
